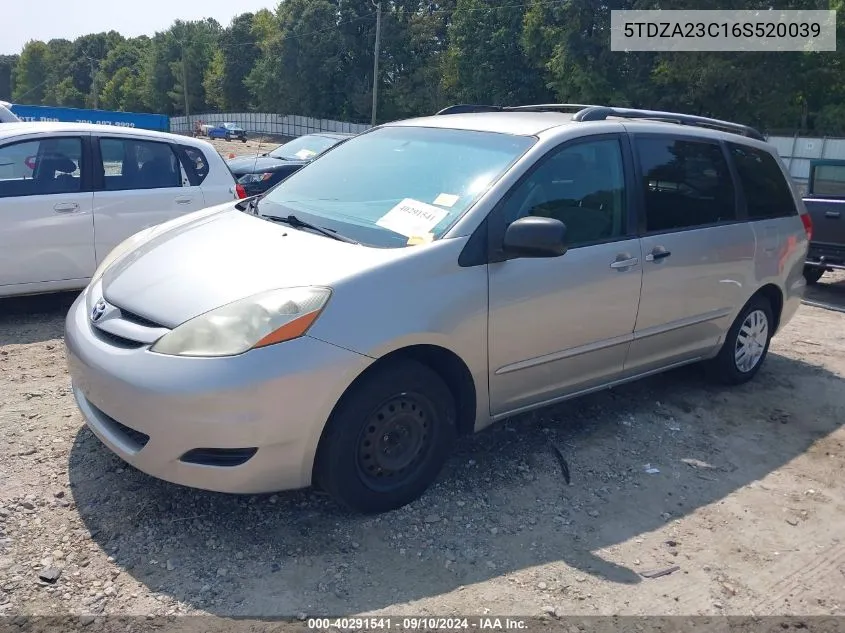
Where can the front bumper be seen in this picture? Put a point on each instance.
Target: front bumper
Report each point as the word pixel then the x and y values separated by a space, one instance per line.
pixel 152 410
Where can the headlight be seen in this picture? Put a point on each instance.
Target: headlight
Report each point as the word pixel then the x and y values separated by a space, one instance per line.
pixel 248 179
pixel 119 251
pixel 257 321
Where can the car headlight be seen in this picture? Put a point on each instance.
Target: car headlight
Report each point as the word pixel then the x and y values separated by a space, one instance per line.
pixel 120 250
pixel 257 321
pixel 248 179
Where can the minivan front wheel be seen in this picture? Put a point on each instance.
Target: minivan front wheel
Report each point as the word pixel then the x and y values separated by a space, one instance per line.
pixel 746 344
pixel 388 439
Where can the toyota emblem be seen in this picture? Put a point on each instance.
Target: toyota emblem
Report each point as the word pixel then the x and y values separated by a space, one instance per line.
pixel 98 310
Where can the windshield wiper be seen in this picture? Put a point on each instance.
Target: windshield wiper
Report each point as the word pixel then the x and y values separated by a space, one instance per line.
pixel 292 220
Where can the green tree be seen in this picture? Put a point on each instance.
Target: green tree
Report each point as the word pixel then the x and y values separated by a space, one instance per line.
pixel 31 74
pixel 486 61
pixel 7 68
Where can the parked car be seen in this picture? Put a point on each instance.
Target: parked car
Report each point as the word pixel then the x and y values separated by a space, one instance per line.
pixel 825 202
pixel 425 279
pixel 256 174
pixel 70 192
pixel 227 131
pixel 6 114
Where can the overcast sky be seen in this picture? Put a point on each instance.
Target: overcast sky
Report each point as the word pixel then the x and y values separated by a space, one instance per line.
pixel 24 20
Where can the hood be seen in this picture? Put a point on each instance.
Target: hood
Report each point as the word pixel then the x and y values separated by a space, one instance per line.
pixel 195 267
pixel 260 164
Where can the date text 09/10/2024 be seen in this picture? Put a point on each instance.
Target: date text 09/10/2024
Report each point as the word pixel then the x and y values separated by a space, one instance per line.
pixel 416 624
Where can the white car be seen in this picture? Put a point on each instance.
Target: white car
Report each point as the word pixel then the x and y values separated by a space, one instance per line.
pixel 70 192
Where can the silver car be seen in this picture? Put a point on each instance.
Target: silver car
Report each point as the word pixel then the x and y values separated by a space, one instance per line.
pixel 426 279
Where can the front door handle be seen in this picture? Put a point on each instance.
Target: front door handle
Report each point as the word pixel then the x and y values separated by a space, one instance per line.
pixel 656 256
pixel 66 207
pixel 625 263
pixel 183 200
pixel 832 214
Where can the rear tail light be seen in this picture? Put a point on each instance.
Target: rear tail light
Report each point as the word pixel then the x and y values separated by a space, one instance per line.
pixel 239 189
pixel 808 225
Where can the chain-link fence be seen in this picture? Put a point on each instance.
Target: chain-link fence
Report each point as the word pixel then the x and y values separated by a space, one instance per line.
pixel 289 125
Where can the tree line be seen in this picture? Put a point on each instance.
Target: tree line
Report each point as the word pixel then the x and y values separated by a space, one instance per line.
pixel 315 58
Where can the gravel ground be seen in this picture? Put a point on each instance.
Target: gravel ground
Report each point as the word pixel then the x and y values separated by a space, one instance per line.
pixel 740 491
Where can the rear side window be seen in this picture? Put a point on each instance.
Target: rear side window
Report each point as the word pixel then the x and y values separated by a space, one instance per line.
pixel 43 167
pixel 686 183
pixel 767 194
pixel 133 164
pixel 195 162
pixel 828 180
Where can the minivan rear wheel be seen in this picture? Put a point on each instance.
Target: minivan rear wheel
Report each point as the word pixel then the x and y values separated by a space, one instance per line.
pixel 746 344
pixel 388 439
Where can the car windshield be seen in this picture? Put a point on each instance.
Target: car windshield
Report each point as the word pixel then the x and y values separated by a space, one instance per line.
pixel 304 147
pixel 399 185
pixel 230 126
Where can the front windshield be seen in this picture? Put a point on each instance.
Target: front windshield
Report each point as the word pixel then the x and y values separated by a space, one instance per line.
pixel 396 186
pixel 304 147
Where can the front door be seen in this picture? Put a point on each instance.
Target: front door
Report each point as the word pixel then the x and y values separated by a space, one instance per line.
pixel 698 252
pixel 46 225
pixel 140 184
pixel 563 324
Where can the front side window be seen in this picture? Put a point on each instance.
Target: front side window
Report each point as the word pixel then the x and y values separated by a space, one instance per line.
pixel 396 185
pixel 581 185
pixel 133 164
pixel 43 167
pixel 767 194
pixel 686 183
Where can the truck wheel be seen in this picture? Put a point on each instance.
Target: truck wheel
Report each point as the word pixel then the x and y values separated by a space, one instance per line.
pixel 746 344
pixel 812 274
pixel 387 440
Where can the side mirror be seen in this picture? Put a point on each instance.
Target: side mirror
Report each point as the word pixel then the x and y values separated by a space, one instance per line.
pixel 533 236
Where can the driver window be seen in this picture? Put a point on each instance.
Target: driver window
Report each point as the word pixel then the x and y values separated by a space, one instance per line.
pixel 583 186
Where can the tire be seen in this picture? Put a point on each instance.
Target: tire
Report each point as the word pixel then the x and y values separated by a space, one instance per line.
pixel 725 368
pixel 405 399
pixel 812 274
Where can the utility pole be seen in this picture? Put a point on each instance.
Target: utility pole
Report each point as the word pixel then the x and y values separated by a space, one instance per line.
pixel 185 87
pixel 94 89
pixel 375 61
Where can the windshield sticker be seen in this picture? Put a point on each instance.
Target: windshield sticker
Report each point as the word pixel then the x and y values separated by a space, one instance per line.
pixel 420 239
pixel 304 154
pixel 412 218
pixel 446 200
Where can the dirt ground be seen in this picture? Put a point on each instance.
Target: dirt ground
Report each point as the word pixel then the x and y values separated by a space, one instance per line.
pixel 741 489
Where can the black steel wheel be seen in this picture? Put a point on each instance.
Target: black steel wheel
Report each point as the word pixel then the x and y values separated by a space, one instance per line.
pixel 812 274
pixel 388 438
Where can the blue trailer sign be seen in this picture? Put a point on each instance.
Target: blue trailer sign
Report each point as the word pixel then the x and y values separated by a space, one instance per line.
pixel 158 122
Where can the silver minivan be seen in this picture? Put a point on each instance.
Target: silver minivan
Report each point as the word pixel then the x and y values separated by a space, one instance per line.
pixel 430 277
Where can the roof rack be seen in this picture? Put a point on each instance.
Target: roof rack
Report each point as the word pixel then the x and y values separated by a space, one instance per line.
pixel 550 107
pixel 600 113
pixel 463 108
